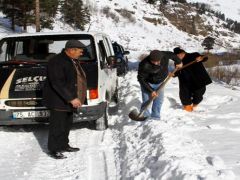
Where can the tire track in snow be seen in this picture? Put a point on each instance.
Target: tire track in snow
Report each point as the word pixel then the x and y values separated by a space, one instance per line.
pixel 49 168
pixel 19 155
pixel 97 160
pixel 101 156
pixel 25 155
pixel 87 164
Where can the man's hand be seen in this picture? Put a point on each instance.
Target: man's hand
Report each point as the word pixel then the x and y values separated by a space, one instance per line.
pixel 179 65
pixel 199 58
pixel 154 94
pixel 76 103
pixel 171 74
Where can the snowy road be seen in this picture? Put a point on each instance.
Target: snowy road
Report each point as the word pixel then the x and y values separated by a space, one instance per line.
pixel 182 146
pixel 23 155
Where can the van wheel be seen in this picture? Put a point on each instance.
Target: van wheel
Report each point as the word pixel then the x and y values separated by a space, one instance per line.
pixel 125 70
pixel 102 123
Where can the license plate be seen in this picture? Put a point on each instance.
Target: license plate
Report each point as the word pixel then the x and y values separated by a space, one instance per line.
pixel 30 114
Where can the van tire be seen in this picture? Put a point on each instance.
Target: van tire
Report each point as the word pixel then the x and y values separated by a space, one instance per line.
pixel 114 104
pixel 101 124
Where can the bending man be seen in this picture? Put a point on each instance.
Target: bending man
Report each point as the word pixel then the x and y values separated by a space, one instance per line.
pixel 192 80
pixel 151 73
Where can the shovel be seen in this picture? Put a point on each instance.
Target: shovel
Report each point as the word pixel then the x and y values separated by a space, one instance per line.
pixel 135 115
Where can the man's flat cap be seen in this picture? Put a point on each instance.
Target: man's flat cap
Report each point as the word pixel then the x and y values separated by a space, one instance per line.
pixel 155 55
pixel 74 44
pixel 178 50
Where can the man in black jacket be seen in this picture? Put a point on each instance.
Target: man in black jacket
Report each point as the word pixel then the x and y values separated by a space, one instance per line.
pixel 151 73
pixel 61 96
pixel 192 80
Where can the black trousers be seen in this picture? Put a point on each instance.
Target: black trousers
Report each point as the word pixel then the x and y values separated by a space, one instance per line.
pixel 189 96
pixel 59 128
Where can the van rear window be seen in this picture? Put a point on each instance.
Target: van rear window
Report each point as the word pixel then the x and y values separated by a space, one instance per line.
pixel 42 48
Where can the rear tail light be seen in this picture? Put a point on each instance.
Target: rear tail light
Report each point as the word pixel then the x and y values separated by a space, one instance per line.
pixel 93 93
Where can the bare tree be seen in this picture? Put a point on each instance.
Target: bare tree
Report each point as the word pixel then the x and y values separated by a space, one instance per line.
pixel 37 13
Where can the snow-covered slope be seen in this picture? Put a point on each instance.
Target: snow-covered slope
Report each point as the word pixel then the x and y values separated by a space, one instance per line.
pixel 230 8
pixel 129 23
pixel 142 35
pixel 181 146
pixel 5 27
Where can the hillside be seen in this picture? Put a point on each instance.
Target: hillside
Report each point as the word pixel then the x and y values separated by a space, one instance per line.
pixel 141 26
pixel 202 145
pixel 230 8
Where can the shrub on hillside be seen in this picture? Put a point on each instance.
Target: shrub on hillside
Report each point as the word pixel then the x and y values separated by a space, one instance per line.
pixel 127 14
pixel 227 58
pixel 107 11
pixel 227 74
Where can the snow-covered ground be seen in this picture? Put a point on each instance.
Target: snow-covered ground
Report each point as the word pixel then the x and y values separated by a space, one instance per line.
pixel 140 36
pixel 181 146
pixel 230 8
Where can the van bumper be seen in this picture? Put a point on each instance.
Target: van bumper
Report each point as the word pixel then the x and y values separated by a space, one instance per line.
pixel 87 113
pixel 90 113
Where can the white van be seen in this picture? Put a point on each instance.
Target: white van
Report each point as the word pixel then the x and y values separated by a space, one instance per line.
pixel 23 60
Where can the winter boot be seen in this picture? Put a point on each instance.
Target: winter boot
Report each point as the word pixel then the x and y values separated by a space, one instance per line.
pixel 188 108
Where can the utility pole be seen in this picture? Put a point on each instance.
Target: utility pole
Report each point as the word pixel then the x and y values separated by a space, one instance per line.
pixel 37 14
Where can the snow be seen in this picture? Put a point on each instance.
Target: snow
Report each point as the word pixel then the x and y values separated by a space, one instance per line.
pixel 181 146
pixel 176 146
pixel 142 36
pixel 231 8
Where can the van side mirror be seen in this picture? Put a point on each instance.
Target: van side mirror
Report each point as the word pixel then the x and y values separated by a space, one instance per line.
pixel 126 52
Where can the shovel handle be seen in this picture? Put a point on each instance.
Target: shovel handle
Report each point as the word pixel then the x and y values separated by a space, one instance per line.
pixel 186 65
pixel 173 72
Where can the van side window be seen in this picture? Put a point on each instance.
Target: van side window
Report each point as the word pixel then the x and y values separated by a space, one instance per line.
pixel 3 52
pixel 19 48
pixel 43 47
pixel 102 54
pixel 109 44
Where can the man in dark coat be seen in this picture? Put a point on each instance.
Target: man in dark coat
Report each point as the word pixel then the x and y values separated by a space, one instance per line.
pixel 192 80
pixel 64 91
pixel 151 73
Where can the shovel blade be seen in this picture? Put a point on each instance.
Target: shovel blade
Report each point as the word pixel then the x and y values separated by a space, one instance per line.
pixel 136 116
